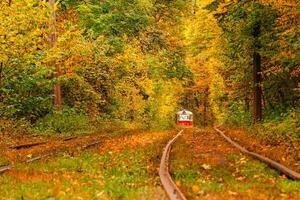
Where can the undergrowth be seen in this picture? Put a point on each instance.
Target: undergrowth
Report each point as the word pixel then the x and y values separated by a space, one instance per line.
pixel 65 121
pixel 274 129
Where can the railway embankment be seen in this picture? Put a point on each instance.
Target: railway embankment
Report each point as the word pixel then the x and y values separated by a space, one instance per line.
pixel 285 151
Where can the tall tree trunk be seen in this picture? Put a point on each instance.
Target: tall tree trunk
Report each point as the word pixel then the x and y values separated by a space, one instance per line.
pixel 53 38
pixel 257 92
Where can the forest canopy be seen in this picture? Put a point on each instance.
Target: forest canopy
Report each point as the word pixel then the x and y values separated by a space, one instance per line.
pixel 140 61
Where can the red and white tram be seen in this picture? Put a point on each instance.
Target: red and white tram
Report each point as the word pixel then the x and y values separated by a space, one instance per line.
pixel 184 118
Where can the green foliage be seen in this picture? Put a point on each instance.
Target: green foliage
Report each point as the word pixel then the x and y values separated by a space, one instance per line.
pixel 115 18
pixel 248 27
pixel 66 121
pixel 26 92
pixel 237 115
pixel 177 68
pixel 283 129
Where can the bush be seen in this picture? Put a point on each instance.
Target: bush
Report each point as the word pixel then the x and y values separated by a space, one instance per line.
pixel 284 128
pixel 66 121
pixel 236 115
pixel 26 92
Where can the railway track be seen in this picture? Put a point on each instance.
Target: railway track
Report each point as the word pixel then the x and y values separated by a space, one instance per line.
pixel 281 168
pixel 170 187
pixel 54 152
pixel 174 193
pixel 33 144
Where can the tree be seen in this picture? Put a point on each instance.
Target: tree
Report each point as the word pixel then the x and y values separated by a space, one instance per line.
pixel 257 96
pixel 53 38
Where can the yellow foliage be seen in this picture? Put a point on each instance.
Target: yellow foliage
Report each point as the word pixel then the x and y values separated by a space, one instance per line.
pixel 23 29
pixel 203 36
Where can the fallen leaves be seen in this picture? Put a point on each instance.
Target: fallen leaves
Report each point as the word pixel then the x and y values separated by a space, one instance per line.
pixel 206 166
pixel 178 183
pixel 142 139
pixel 195 188
pixel 29 156
pixel 241 178
pixel 232 193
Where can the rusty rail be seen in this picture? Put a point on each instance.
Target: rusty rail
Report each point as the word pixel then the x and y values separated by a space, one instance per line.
pixel 70 138
pixel 281 168
pixel 44 155
pixel 170 187
pixel 28 145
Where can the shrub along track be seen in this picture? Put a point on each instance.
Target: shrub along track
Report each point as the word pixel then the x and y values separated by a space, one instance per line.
pixel 205 166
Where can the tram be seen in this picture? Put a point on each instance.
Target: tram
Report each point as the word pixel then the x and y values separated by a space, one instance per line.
pixel 184 118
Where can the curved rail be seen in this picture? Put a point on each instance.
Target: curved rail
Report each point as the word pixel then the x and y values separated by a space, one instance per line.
pixel 170 187
pixel 283 169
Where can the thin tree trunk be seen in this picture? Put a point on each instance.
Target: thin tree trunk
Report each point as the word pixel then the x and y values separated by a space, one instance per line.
pixel 264 101
pixel 53 38
pixel 205 104
pixel 257 93
pixel 1 70
pixel 247 104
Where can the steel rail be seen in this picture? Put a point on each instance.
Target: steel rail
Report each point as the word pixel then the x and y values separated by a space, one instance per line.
pixel 170 187
pixel 70 138
pixel 28 145
pixel 281 168
pixel 5 168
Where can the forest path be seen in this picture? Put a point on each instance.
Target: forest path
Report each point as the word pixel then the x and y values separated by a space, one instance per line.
pixel 205 166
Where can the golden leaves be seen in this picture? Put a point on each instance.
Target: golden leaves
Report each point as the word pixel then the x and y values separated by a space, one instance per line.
pixel 132 141
pixel 22 26
pixel 195 188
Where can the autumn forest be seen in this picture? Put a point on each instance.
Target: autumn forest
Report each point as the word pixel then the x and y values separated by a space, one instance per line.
pixel 89 91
